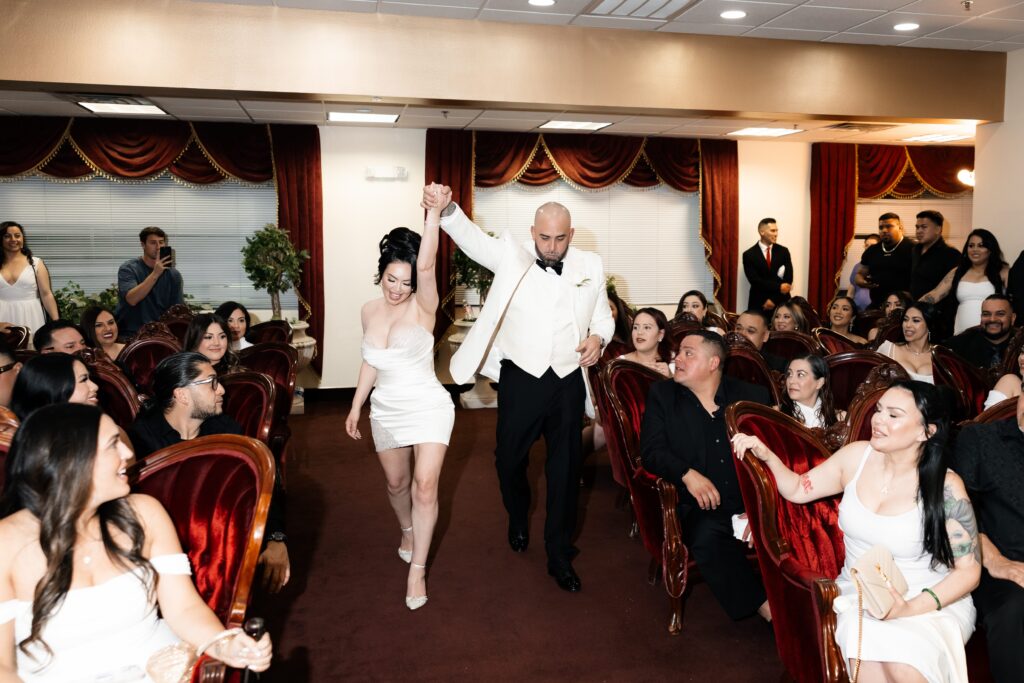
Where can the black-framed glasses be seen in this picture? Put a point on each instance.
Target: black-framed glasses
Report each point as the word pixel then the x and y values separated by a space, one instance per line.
pixel 9 366
pixel 212 381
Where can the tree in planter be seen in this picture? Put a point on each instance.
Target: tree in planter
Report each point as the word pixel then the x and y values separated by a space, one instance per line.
pixel 470 274
pixel 272 263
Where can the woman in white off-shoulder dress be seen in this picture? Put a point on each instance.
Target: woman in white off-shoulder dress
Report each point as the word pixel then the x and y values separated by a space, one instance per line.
pixel 897 493
pixel 411 414
pixel 24 282
pixel 84 608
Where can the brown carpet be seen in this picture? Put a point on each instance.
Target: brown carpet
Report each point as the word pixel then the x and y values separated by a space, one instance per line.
pixel 493 615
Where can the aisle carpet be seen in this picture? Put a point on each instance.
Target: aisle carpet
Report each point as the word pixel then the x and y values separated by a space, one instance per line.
pixel 493 615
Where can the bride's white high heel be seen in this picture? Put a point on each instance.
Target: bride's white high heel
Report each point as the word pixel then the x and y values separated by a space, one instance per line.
pixel 415 602
pixel 405 554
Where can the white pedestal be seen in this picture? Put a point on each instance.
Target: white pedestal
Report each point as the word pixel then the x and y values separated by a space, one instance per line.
pixel 480 396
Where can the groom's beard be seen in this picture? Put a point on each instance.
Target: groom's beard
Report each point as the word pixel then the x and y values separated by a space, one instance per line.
pixel 550 261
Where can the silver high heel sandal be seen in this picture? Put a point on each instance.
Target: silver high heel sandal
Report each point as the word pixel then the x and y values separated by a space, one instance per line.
pixel 416 602
pixel 405 554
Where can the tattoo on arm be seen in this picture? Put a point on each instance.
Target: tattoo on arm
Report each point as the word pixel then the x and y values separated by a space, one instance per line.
pixel 805 484
pixel 448 210
pixel 928 299
pixel 961 525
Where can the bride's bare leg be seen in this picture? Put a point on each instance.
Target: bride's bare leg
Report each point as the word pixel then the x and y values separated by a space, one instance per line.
pixel 887 672
pixel 397 464
pixel 427 471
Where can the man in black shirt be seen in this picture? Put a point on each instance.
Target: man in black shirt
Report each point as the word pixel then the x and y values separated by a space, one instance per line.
pixel 187 403
pixel 683 440
pixel 990 460
pixel 932 257
pixel 984 346
pixel 753 325
pixel 885 267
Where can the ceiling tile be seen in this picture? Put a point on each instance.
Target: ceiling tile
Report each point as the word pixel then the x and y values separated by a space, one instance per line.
pixel 618 22
pixel 525 17
pixel 947 43
pixel 953 8
pixel 44 108
pixel 505 124
pixel 407 121
pixel 28 96
pixel 823 18
pixel 1014 12
pixel 787 34
pixel 498 114
pixel 867 39
pixel 1000 47
pixel 475 4
pixel 214 116
pixel 983 29
pixel 440 112
pixel 709 12
pixel 336 5
pixel 662 120
pixel 561 7
pixel 885 5
pixel 446 12
pixel 637 128
pixel 287 117
pixel 929 23
pixel 704 29
pixel 690 133
pixel 186 103
pixel 276 105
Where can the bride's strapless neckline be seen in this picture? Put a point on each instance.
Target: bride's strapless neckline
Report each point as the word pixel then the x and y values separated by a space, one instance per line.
pixel 396 336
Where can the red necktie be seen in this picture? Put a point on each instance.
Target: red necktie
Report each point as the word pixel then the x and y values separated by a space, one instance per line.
pixel 768 255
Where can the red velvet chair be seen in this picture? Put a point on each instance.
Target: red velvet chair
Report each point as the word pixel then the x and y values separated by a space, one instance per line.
pixel 712 319
pixel 865 321
pixel 217 491
pixel 271 331
pixel 1011 359
pixel 614 349
pixel 848 370
pixel 116 393
pixel 8 425
pixel 139 358
pixel 813 319
pixel 682 324
pixel 157 328
pixel 968 383
pixel 833 342
pixel 1004 410
pixel 654 500
pixel 279 362
pixel 799 547
pixel 789 345
pixel 616 455
pixel 747 364
pixel 16 337
pixel 857 426
pixel 249 398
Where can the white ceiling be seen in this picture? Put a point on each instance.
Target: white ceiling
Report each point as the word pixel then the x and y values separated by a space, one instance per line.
pixel 260 111
pixel 991 25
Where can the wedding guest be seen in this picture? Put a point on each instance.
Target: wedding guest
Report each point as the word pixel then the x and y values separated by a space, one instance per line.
pixel 862 295
pixel 984 346
pixel 789 318
pixel 100 330
pixel 753 326
pixel 897 301
pixel 52 378
pixel 58 336
pixel 898 493
pixel 914 353
pixel 1007 386
pixel 696 304
pixel 841 312
pixel 237 317
pixel 26 298
pixel 932 258
pixel 653 345
pixel 885 267
pixel 623 318
pixel 808 396
pixel 208 334
pixel 411 414
pixel 147 285
pixel 981 272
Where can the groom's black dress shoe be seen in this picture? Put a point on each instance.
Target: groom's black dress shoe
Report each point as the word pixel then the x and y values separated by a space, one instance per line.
pixel 518 540
pixel 565 577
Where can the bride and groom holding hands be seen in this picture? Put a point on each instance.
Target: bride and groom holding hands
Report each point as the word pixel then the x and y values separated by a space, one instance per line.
pixel 545 319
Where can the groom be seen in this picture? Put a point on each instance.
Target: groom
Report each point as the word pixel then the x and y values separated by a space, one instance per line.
pixel 545 318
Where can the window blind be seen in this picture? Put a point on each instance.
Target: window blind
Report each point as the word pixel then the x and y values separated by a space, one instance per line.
pixel 649 239
pixel 84 231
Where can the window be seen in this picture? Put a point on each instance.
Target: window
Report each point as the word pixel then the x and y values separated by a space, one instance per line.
pixel 84 231
pixel 649 239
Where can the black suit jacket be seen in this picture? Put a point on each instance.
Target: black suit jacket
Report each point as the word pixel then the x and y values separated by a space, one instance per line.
pixel 672 438
pixel 765 281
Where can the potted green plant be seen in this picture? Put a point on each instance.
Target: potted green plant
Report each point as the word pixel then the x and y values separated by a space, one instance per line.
pixel 272 263
pixel 470 274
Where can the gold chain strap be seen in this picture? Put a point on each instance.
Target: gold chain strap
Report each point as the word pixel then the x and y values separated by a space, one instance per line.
pixel 860 623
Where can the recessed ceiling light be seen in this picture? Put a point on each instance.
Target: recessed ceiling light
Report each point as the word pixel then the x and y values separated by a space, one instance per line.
pixel 733 14
pixel 907 26
pixel 766 132
pixel 542 3
pixel 134 109
pixel 576 125
pixel 354 117
pixel 364 110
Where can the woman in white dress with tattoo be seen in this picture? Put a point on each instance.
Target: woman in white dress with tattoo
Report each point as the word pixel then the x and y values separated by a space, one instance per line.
pixel 411 414
pixel 897 493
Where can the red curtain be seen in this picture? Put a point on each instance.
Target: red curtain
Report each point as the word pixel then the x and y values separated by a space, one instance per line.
pixel 130 148
pixel 879 168
pixel 239 151
pixel 593 161
pixel 449 161
pixel 833 211
pixel 905 171
pixel 937 167
pixel 500 157
pixel 719 216
pixel 676 161
pixel 300 211
pixel 27 142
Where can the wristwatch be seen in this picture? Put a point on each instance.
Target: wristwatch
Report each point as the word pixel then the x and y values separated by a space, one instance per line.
pixel 277 537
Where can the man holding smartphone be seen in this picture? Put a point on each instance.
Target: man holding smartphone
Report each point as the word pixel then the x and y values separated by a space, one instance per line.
pixel 149 285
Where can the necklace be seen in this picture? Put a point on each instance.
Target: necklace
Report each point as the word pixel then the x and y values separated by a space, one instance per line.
pixel 87 559
pixel 889 251
pixel 927 349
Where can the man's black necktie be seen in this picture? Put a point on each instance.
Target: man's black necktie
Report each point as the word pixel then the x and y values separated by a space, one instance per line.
pixel 557 267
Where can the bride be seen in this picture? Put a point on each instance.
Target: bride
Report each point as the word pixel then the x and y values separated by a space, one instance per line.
pixel 411 414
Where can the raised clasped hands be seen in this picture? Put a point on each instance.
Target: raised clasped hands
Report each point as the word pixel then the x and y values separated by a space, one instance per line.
pixel 352 425
pixel 436 197
pixel 741 443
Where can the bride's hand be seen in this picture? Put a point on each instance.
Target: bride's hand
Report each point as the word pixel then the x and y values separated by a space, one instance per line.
pixel 352 424
pixel 242 652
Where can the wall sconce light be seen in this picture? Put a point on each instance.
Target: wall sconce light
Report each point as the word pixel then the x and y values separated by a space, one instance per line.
pixel 966 176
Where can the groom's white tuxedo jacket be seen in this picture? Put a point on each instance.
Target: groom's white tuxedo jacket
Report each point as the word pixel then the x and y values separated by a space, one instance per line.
pixel 580 288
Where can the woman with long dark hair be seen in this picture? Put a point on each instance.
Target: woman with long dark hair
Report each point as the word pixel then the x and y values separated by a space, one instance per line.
pixel 897 301
pixel 808 397
pixel 100 330
pixel 209 335
pixel 87 564
pixel 25 292
pixel 51 378
pixel 789 318
pixel 623 318
pixel 898 493
pixel 411 414
pixel 914 353
pixel 652 341
pixel 981 271
pixel 841 312
pixel 237 317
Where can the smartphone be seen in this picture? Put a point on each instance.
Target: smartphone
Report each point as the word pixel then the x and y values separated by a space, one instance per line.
pixel 167 252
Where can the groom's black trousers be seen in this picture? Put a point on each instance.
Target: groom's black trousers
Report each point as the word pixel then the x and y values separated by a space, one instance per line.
pixel 529 407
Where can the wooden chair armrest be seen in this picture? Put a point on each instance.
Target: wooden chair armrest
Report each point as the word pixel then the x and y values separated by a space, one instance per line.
pixel 209 670
pixel 674 554
pixel 825 593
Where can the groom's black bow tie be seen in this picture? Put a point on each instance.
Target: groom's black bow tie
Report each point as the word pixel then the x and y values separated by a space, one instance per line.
pixel 557 267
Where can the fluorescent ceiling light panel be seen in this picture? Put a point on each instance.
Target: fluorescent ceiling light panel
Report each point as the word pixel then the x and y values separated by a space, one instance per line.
pixel 937 137
pixel 355 117
pixel 542 3
pixel 733 14
pixel 575 125
pixel 766 132
pixel 908 26
pixel 110 108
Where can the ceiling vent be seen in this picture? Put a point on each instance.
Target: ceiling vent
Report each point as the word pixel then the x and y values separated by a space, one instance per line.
pixel 639 9
pixel 853 127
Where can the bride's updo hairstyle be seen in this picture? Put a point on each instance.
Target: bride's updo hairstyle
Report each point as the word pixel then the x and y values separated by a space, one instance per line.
pixel 400 245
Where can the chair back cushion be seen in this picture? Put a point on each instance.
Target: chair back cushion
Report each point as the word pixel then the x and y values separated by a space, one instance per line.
pixel 140 358
pixel 833 342
pixel 796 544
pixel 272 331
pixel 115 392
pixel 862 406
pixel 8 425
pixel 813 319
pixel 616 455
pixel 1004 410
pixel 746 363
pixel 249 398
pixel 865 321
pixel 16 337
pixel 789 345
pixel 217 491
pixel 849 369
pixel 278 361
pixel 968 384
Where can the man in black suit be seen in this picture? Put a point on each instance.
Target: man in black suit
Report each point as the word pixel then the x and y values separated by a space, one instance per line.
pixel 768 268
pixel 683 440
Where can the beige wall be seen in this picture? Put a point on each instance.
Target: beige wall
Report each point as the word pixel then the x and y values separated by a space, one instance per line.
pixel 177 46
